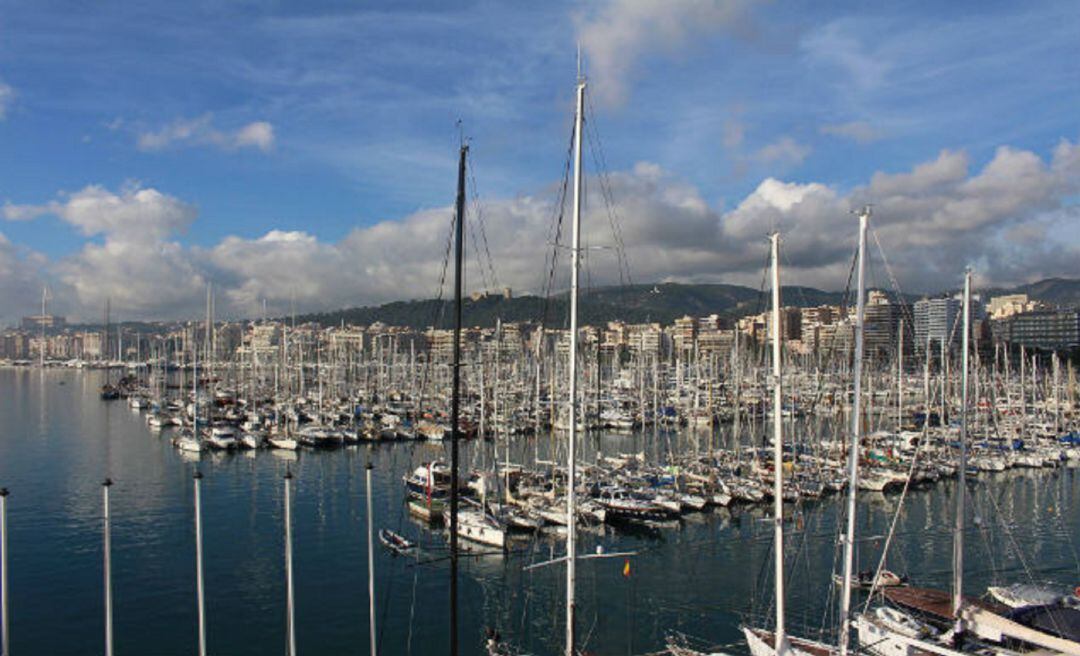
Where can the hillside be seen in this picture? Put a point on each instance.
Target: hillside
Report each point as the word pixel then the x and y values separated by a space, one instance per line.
pixel 661 303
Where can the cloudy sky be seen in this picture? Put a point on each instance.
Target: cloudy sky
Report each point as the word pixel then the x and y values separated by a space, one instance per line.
pixel 305 153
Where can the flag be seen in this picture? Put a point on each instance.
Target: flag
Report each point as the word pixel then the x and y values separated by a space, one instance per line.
pixel 626 568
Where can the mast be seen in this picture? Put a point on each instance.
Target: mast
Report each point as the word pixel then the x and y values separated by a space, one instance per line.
pixel 571 462
pixel 958 531
pixel 780 645
pixel 853 449
pixel 370 565
pixel 455 398
pixel 900 378
pixel 41 347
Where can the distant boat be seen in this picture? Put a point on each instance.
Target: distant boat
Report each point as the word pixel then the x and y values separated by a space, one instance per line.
pixel 188 441
pixel 281 442
pixel 395 543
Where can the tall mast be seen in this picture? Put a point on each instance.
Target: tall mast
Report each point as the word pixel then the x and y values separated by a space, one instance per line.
pixel 780 645
pixel 571 462
pixel 853 449
pixel 41 346
pixel 900 377
pixel 958 531
pixel 455 400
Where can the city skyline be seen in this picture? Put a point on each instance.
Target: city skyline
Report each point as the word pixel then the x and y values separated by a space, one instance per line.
pixel 307 156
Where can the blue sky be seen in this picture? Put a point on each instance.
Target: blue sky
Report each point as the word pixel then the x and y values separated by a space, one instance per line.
pixel 325 121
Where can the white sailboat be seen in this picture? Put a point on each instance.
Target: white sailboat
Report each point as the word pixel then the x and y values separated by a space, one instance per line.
pixel 189 441
pixel 893 632
pixel 761 641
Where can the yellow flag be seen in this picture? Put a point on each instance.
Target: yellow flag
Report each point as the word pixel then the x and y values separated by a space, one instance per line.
pixel 626 568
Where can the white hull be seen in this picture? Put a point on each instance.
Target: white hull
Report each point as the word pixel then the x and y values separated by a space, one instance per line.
pixel 282 443
pixel 472 526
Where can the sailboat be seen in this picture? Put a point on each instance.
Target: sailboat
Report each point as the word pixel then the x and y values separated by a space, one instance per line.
pixel 761 641
pixel 189 440
pixel 976 625
pixel 572 416
pixel 777 642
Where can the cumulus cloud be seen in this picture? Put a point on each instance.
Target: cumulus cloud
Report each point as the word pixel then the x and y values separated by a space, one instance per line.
pixel 135 261
pixel 21 278
pixel 932 221
pixel 7 97
pixel 132 214
pixel 201 131
pixel 617 33
pixel 858 131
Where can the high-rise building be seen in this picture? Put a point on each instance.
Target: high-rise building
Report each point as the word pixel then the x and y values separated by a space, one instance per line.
pixel 882 324
pixel 684 332
pixel 939 320
pixel 1043 330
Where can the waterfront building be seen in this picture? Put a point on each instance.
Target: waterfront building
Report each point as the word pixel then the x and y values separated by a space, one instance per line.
pixel 46 321
pixel 684 332
pixel 882 324
pixel 1003 307
pixel 1048 330
pixel 645 338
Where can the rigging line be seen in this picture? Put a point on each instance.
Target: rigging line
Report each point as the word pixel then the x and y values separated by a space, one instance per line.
pixel 906 309
pixel 597 148
pixel 800 290
pixel 439 308
pixel 479 257
pixel 895 520
pixel 831 349
pixel 478 211
pixel 559 212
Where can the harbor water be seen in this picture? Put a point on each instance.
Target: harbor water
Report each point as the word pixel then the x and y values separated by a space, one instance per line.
pixel 700 576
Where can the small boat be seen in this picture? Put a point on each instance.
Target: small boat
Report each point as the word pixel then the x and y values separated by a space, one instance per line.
pixel 250 440
pixel 278 441
pixel 865 579
pixel 429 510
pixel 395 542
pixel 478 526
pixel 188 441
pixel 1021 595
pixel 222 437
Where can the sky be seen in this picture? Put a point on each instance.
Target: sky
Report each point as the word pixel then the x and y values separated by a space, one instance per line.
pixel 304 155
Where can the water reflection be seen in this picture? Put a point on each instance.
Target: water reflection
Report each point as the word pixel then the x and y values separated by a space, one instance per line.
pixel 699 577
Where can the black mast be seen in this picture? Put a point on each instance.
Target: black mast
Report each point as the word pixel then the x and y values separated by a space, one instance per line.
pixel 455 399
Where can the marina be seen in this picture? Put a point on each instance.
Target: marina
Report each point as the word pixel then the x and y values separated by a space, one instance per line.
pixel 287 395
pixel 688 576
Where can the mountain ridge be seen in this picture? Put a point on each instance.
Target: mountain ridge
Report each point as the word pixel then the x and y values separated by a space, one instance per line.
pixel 659 302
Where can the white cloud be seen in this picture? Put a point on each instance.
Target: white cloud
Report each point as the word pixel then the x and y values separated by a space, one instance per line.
pixel 932 220
pixel 858 131
pixel 259 134
pixel 7 97
pixel 133 214
pixel 21 279
pixel 617 33
pixel 785 151
pixel 201 131
pixel 135 263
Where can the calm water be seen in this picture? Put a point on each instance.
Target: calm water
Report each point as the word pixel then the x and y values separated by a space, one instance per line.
pixel 58 441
